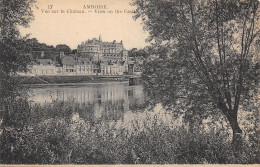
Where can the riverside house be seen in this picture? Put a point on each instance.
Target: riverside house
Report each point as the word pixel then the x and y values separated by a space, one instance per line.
pixel 94 57
pixel 75 65
pixel 43 67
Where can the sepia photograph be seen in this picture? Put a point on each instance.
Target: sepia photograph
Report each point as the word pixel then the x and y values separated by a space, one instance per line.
pixel 129 82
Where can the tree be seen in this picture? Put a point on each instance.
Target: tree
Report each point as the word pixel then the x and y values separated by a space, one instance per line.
pixel 63 48
pixel 140 53
pixel 14 13
pixel 14 55
pixel 74 51
pixel 212 62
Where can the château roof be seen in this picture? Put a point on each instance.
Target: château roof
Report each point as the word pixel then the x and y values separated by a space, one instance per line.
pixel 99 42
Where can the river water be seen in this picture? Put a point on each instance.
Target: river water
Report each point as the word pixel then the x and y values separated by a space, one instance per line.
pixel 100 93
pixel 108 101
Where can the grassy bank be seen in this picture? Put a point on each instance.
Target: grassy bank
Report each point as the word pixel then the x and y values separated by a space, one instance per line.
pixel 67 79
pixel 49 134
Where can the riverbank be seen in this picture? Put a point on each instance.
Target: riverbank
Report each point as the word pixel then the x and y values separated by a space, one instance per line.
pixel 65 80
pixel 67 133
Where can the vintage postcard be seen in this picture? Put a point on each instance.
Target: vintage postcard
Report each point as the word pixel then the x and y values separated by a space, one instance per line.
pixel 129 82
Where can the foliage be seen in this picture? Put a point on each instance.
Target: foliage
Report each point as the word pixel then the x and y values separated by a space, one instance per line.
pixel 14 52
pixel 63 48
pixel 44 51
pixel 212 60
pixel 141 53
pixel 51 134
pixel 14 13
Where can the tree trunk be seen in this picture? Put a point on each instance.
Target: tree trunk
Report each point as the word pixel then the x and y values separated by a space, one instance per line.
pixel 237 132
pixel 234 124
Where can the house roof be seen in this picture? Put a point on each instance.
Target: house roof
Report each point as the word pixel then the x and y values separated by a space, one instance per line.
pixel 45 61
pixel 84 59
pixel 34 63
pixel 68 60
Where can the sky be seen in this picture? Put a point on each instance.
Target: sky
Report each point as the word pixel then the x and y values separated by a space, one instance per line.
pixel 54 23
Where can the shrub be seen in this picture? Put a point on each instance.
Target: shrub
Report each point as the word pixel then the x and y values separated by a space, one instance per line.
pixel 63 133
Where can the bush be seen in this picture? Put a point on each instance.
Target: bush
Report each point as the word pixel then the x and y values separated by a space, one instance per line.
pixel 63 133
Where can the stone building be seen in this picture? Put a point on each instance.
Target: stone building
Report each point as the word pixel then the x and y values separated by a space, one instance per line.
pixel 43 67
pixel 84 66
pixel 108 54
pixel 69 65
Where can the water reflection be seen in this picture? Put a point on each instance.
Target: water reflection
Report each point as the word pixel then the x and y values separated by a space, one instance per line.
pixel 105 101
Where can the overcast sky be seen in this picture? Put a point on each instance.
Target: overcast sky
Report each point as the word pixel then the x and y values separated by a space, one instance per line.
pixel 74 28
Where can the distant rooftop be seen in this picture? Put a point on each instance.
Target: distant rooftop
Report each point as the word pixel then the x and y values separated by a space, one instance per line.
pixel 45 61
pixel 68 60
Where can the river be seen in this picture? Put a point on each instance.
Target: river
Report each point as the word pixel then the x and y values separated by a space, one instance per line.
pixel 92 93
pixel 112 99
pixel 108 101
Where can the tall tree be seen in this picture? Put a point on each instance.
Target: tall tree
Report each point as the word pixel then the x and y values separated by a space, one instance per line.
pixel 13 57
pixel 212 62
pixel 63 48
